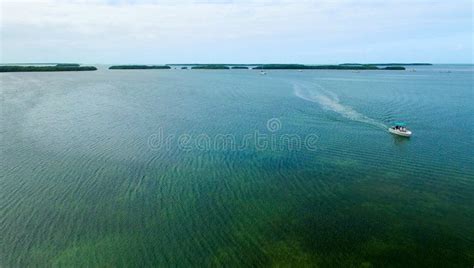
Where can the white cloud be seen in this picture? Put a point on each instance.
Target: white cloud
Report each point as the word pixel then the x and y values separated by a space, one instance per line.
pixel 104 30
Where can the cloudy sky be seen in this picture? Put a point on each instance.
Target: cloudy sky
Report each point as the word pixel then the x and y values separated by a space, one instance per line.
pixel 238 31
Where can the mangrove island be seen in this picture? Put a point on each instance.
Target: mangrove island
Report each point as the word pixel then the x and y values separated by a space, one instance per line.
pixel 52 68
pixel 138 67
pixel 325 67
pixel 211 66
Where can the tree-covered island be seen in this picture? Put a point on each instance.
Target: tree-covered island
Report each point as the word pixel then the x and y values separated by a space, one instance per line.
pixel 391 64
pixel 138 67
pixel 325 67
pixel 52 68
pixel 211 67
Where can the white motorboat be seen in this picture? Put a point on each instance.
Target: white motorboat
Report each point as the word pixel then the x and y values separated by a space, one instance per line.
pixel 400 130
pixel 263 72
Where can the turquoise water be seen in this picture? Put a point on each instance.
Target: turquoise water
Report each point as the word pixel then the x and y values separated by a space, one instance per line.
pixel 130 168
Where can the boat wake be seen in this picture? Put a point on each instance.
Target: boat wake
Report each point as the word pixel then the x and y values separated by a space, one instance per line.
pixel 330 101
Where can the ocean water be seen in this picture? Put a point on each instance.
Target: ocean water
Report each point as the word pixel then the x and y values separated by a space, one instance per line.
pixel 211 168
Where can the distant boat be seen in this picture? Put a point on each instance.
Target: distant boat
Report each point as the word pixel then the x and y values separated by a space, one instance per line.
pixel 400 129
pixel 300 71
pixel 262 72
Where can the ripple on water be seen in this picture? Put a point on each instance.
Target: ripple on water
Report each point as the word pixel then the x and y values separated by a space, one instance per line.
pixel 82 187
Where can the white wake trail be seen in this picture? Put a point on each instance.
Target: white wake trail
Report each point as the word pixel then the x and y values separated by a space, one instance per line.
pixel 330 101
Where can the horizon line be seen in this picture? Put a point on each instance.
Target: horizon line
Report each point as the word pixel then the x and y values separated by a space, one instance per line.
pixel 235 63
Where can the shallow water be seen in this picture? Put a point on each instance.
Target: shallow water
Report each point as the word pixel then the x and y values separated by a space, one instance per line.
pixel 176 167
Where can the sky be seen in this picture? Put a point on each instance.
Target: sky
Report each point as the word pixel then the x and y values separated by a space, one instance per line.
pixel 236 31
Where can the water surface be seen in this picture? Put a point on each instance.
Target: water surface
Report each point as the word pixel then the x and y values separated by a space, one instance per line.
pixel 84 182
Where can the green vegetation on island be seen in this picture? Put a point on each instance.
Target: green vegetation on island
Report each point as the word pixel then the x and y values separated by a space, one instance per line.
pixel 211 67
pixel 280 66
pixel 324 67
pixel 138 67
pixel 388 64
pixel 203 64
pixel 394 68
pixel 403 64
pixel 55 68
pixel 68 65
pixel 344 66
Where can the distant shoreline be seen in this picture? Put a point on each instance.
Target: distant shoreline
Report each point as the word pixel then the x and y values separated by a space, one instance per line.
pixel 346 66
pixel 61 67
pixel 138 67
